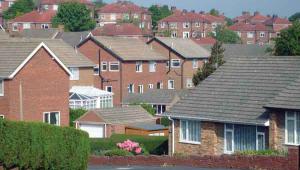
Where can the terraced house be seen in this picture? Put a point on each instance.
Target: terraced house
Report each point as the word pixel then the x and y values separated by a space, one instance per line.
pixel 249 103
pixel 125 65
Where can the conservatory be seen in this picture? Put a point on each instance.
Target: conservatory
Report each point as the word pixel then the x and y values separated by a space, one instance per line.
pixel 88 97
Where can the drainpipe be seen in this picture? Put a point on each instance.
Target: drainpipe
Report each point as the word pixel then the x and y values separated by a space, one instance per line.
pixel 173 135
pixel 182 74
pixel 21 101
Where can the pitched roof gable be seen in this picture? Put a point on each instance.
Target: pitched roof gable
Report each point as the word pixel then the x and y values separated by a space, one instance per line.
pixel 36 17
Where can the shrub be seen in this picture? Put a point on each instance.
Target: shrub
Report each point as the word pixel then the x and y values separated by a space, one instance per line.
pixel 75 114
pixel 263 152
pixel 131 146
pixel 118 152
pixel 157 145
pixel 41 146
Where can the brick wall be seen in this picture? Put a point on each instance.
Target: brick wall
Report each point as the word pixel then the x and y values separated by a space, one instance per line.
pixel 33 26
pixel 276 130
pixel 86 77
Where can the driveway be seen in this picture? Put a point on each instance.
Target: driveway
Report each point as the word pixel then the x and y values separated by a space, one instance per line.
pixel 148 168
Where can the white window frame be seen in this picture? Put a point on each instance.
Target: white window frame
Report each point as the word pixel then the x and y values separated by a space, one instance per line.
pixel 161 85
pixel 173 25
pixel 113 17
pixel 152 66
pixel 173 34
pixel 239 33
pixel 186 34
pixel 264 142
pixel 195 63
pixel 162 25
pixel 106 88
pixel 2 116
pixel 15 27
pixel 262 34
pixel 197 24
pixel 139 66
pixel 58 123
pixel 135 15
pixel 141 89
pixel 225 139
pixel 103 63
pixel 250 34
pixel 26 25
pixel 150 86
pixel 132 89
pixel 181 140
pixel 189 83
pixel 295 128
pixel 45 26
pixel 170 84
pixel 55 7
pixel 175 60
pixel 114 63
pixel 2 87
pixel 186 25
pixel 10 3
pixel 75 73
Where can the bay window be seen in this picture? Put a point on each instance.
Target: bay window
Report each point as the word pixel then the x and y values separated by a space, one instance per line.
pixel 292 128
pixel 190 131
pixel 52 118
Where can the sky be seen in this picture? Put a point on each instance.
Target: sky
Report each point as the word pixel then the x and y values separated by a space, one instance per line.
pixel 231 8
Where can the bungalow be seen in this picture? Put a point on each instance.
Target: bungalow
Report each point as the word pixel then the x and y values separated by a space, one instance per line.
pixel 134 120
pixel 247 104
pixel 185 57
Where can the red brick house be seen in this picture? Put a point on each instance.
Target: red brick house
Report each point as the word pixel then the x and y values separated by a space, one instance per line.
pixel 34 83
pixel 127 65
pixel 189 24
pixel 124 11
pixel 276 24
pixel 32 20
pixel 54 4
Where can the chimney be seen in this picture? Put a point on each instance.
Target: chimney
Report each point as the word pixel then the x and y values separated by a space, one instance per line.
pixel 246 13
pixel 192 11
pixel 173 8
pixel 275 16
pixel 201 12
pixel 184 11
pixel 256 13
pixel 269 16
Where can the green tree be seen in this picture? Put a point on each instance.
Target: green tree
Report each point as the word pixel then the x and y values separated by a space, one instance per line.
pixel 288 43
pixel 74 16
pixel 295 17
pixel 158 13
pixel 229 21
pixel 99 3
pixel 215 61
pixel 225 35
pixel 20 7
pixel 214 12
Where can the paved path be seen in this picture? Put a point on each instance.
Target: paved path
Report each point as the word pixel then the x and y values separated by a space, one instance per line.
pixel 147 168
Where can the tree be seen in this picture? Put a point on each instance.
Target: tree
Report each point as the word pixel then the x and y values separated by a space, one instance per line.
pixel 229 21
pixel 158 13
pixel 225 35
pixel 74 16
pixel 288 43
pixel 214 12
pixel 215 61
pixel 99 3
pixel 20 7
pixel 295 17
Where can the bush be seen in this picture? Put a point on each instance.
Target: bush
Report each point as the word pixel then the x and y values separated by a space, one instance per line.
pixel 118 152
pixel 263 152
pixel 157 145
pixel 41 146
pixel 75 114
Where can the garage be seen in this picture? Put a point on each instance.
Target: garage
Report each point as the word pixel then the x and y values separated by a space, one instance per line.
pixel 94 131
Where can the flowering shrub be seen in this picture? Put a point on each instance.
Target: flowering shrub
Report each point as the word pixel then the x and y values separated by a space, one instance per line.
pixel 130 146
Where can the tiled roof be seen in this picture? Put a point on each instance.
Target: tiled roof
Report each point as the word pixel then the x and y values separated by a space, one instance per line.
pixel 248 27
pixel 36 17
pixel 73 38
pixel 258 17
pixel 238 91
pixel 56 2
pixel 3 35
pixel 187 48
pixel 122 7
pixel 185 17
pixel 277 20
pixel 130 48
pixel 205 41
pixel 125 29
pixel 39 33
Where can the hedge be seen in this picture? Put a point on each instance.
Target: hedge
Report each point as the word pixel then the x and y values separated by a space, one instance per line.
pixel 75 114
pixel 157 145
pixel 27 145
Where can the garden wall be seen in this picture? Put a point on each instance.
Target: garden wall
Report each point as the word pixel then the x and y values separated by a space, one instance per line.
pixel 289 162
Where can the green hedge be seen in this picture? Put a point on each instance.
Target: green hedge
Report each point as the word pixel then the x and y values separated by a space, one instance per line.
pixel 263 152
pixel 75 114
pixel 157 145
pixel 41 146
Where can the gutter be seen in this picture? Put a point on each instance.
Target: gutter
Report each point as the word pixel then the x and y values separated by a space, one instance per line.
pixel 173 135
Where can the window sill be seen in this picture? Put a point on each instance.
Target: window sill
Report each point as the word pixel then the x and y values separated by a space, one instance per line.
pixel 190 142
pixel 291 144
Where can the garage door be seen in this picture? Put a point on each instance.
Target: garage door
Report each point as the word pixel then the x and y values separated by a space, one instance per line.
pixel 94 131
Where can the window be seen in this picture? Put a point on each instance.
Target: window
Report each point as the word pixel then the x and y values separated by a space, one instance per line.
pixel 239 33
pixel 26 26
pixel 46 7
pixel 162 25
pixel 135 16
pixel 159 85
pixel 292 128
pixel 150 86
pixel 113 17
pixel 173 25
pixel 202 34
pixel 171 84
pixel 142 25
pixel 1 87
pixel 104 66
pixel 126 16
pixel 108 88
pixel 189 83
pixel 260 141
pixel 55 7
pixel 173 34
pixel 45 26
pixel 195 63
pixel 139 66
pixel 15 27
pixel 113 66
pixel 10 3
pixel 140 89
pixel 152 66
pixel 96 70
pixel 190 131
pixel 131 88
pixel 262 34
pixel 1 116
pixel 197 24
pixel 167 63
pixel 250 34
pixel 159 109
pixel 229 143
pixel 175 63
pixel 186 34
pixel 186 25
pixel 214 25
pixel 75 73
pixel 52 118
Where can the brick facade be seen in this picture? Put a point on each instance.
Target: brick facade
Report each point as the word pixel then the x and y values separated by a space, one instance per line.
pixel 276 130
pixel 20 26
pixel 44 86
pixel 86 77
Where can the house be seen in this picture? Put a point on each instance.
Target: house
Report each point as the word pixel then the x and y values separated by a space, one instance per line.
pixel 53 5
pixel 127 65
pixel 189 25
pixel 276 24
pixel 185 57
pixel 247 104
pixel 124 11
pixel 34 83
pixel 132 120
pixel 160 99
pixel 32 20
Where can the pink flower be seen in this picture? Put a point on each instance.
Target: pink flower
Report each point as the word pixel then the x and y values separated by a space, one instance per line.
pixel 138 150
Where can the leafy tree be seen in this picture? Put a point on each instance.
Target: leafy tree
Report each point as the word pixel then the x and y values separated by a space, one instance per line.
pixel 99 3
pixel 20 7
pixel 229 21
pixel 288 43
pixel 214 12
pixel 74 16
pixel 295 17
pixel 225 35
pixel 158 13
pixel 216 60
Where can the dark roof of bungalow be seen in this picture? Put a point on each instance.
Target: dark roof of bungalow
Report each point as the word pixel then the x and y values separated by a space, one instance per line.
pixel 238 91
pixel 40 33
pixel 73 38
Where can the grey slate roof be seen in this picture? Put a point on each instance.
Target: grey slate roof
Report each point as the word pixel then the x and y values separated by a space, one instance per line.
pixel 147 126
pixel 40 33
pixel 3 35
pixel 186 47
pixel 155 96
pixel 289 98
pixel 238 91
pixel 130 48
pixel 72 38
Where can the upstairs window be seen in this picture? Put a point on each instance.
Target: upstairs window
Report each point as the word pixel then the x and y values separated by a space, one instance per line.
pixel 162 25
pixel 113 17
pixel 108 88
pixel 126 16
pixel 75 73
pixel 135 16
pixel 113 66
pixel 152 66
pixel 55 7
pixel 186 25
pixel 250 35
pixel 171 84
pixel 195 63
pixel 2 116
pixel 197 24
pixel 1 87
pixel 26 26
pixel 104 66
pixel 262 34
pixel 173 25
pixel 52 118
pixel 139 66
pixel 175 63
pixel 96 70
pixel 15 27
